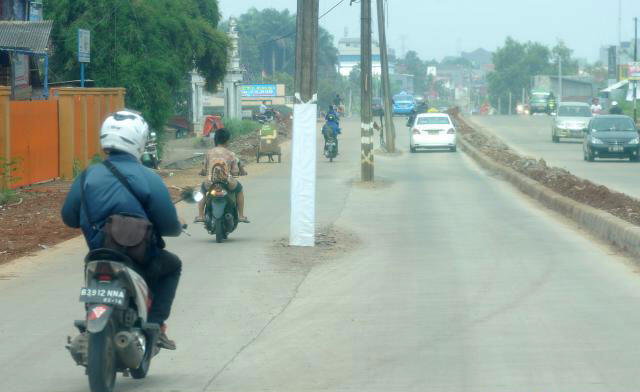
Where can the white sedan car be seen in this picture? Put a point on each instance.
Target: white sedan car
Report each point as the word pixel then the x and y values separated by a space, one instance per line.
pixel 433 131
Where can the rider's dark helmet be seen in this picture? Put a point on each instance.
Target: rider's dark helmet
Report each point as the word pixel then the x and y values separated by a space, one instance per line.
pixel 221 136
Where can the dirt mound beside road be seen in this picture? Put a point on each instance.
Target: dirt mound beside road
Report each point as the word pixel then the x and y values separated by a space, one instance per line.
pixel 34 223
pixel 557 179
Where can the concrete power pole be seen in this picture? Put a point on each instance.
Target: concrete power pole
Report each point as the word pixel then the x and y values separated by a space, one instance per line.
pixel 366 131
pixel 635 60
pixel 386 86
pixel 306 77
pixel 305 114
pixel 559 81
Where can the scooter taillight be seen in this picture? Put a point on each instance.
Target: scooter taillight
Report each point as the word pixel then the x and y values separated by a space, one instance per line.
pixel 104 272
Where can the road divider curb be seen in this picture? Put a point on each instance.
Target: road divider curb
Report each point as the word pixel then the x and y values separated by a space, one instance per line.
pixel 597 222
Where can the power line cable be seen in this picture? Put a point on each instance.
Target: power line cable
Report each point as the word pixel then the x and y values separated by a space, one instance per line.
pixel 293 32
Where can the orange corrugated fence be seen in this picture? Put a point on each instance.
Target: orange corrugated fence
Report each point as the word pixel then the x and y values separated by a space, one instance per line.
pixel 34 141
pixel 53 138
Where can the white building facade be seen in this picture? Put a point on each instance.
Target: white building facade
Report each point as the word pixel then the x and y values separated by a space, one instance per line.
pixel 349 56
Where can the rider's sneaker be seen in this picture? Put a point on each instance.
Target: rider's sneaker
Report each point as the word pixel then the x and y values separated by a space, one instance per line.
pixel 164 341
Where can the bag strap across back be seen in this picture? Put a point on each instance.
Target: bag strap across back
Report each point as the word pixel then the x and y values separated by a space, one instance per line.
pixel 123 180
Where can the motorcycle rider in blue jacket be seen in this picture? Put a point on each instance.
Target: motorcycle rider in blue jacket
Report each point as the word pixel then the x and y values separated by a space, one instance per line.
pixel 331 129
pixel 123 136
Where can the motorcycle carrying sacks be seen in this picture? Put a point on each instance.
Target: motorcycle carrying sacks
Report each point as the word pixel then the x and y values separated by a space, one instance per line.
pixel 126 234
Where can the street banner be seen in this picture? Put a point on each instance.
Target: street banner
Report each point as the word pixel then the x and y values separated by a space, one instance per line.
pixel 259 90
pixel 303 175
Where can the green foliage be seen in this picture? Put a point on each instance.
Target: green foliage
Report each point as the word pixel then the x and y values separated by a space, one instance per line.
pixel 7 168
pixel 235 127
pixel 95 159
pixel 515 65
pixel 569 65
pixel 7 196
pixel 268 41
pixel 412 64
pixel 76 167
pixel 146 46
pixel 240 127
pixel 267 51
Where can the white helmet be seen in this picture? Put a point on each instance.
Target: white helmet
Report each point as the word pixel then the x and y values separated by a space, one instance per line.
pixel 124 131
pixel 614 103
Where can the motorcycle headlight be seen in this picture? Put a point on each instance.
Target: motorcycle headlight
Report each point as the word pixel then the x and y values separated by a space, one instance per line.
pixel 595 140
pixel 635 141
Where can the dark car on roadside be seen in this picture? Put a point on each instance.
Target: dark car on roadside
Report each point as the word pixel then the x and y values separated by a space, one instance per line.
pixel 611 136
pixel 377 108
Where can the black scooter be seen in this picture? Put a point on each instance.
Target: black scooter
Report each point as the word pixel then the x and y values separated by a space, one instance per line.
pixel 330 143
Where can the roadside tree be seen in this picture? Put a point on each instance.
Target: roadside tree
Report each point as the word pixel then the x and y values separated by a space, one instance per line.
pixel 146 46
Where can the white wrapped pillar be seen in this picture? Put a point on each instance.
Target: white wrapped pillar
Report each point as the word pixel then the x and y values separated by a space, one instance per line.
pixel 303 175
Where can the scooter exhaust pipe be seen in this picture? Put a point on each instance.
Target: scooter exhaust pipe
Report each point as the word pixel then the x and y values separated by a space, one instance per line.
pixel 130 347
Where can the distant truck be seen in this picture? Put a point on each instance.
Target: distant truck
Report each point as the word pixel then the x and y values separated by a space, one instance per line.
pixel 539 101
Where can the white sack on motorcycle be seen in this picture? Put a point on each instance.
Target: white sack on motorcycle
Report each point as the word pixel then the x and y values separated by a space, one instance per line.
pixel 303 175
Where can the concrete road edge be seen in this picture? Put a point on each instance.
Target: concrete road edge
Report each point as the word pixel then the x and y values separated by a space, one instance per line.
pixel 597 222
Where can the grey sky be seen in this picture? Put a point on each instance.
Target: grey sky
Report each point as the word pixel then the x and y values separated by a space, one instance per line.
pixel 440 28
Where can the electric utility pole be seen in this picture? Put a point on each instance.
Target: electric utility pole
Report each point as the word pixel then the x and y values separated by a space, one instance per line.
pixel 306 77
pixel 559 81
pixel 366 131
pixel 635 60
pixel 386 87
pixel 305 114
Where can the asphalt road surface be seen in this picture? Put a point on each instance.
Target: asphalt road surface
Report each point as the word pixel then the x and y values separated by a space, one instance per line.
pixel 443 278
pixel 531 135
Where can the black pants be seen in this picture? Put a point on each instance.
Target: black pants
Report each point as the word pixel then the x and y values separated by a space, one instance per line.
pixel 162 276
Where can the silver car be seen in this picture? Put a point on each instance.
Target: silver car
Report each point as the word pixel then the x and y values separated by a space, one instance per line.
pixel 571 119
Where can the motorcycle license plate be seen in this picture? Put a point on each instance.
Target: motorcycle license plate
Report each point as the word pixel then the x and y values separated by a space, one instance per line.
pixel 113 296
pixel 616 148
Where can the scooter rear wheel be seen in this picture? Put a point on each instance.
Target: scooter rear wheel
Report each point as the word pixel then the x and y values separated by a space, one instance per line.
pixel 101 361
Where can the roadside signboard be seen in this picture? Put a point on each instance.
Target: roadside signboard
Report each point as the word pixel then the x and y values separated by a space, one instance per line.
pixel 84 46
pixel 634 71
pixel 258 90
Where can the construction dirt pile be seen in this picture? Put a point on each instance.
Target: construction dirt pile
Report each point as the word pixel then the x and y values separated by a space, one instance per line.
pixel 559 180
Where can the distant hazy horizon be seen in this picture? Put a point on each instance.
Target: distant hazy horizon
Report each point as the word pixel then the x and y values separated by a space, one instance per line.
pixel 435 29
